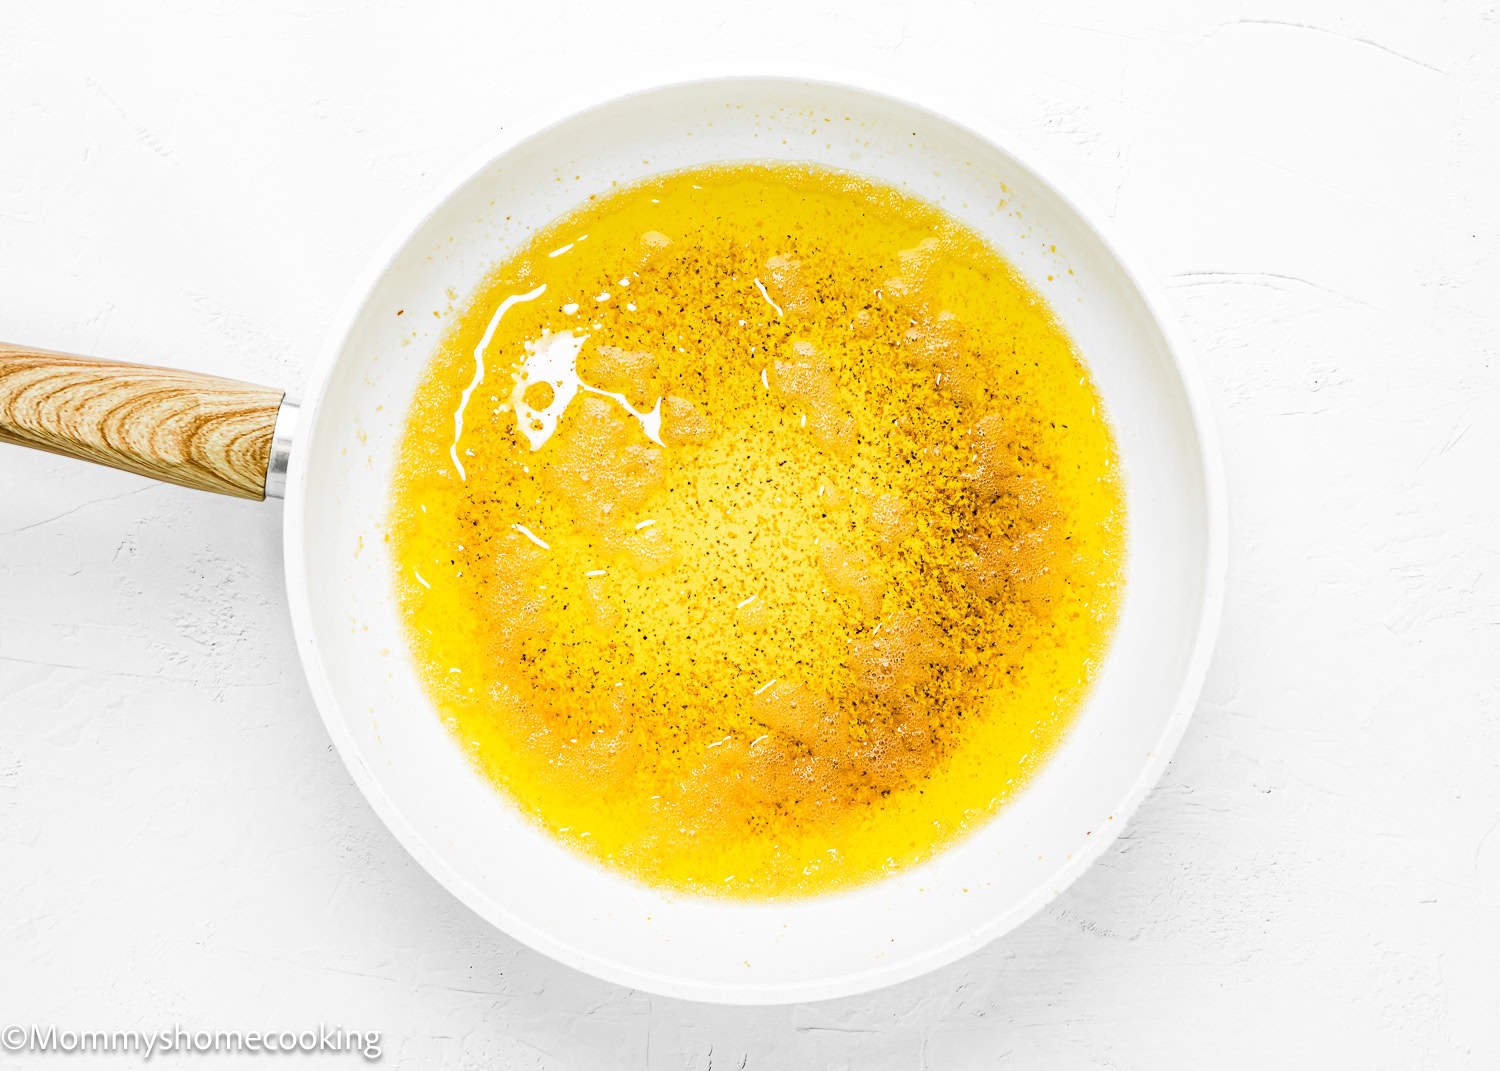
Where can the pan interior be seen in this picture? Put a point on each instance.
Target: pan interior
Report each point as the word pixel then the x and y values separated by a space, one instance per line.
pixel 470 837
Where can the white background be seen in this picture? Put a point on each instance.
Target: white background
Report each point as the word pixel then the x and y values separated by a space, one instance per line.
pixel 1315 883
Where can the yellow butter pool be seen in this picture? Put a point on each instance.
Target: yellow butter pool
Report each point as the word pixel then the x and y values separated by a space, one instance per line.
pixel 758 530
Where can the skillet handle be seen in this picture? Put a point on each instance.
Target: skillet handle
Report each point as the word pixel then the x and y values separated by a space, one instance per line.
pixel 182 427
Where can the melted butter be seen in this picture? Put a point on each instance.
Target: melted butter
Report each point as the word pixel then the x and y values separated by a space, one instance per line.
pixel 776 537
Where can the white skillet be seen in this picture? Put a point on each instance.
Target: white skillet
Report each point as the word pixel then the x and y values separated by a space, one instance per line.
pixel 341 450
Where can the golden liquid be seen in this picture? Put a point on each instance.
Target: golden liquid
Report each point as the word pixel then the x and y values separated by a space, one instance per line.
pixel 769 540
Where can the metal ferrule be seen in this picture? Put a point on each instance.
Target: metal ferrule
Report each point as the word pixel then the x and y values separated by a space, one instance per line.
pixel 281 448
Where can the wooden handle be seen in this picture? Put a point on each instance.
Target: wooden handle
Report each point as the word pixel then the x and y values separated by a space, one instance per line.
pixel 182 427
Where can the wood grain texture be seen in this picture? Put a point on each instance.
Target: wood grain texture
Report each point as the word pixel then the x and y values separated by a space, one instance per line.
pixel 182 427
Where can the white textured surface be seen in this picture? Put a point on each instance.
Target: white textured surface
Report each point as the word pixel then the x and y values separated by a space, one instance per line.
pixel 1317 880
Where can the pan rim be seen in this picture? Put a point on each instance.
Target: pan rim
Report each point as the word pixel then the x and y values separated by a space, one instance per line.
pixel 436 862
